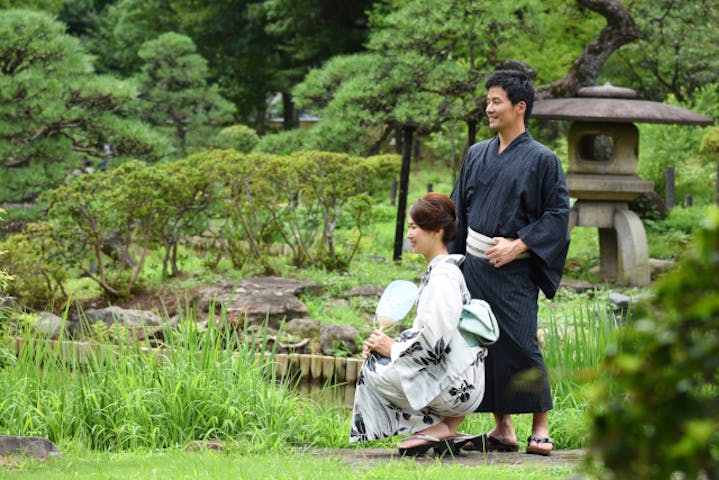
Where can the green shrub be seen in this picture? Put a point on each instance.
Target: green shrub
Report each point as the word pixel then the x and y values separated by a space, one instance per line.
pixel 38 266
pixel 690 150
pixel 282 143
pixel 238 137
pixel 669 237
pixel 656 414
pixel 99 219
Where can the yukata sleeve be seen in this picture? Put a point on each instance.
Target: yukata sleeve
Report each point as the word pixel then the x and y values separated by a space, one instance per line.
pixel 421 357
pixel 548 236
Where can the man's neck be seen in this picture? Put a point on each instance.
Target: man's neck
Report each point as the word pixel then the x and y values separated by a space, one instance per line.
pixel 507 136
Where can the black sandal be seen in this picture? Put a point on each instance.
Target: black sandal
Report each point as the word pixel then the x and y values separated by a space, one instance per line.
pixel 538 440
pixel 440 446
pixel 488 443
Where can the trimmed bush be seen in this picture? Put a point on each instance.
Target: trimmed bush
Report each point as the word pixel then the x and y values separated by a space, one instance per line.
pixel 238 137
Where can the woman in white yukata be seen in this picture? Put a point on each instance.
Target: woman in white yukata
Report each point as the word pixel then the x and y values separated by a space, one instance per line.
pixel 423 382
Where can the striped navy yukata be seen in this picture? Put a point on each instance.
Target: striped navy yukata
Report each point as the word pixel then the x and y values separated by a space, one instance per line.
pixel 519 193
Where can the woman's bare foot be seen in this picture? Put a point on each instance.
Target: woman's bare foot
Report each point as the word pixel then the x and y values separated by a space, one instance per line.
pixel 439 431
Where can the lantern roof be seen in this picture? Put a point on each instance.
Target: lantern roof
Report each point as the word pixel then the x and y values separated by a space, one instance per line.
pixel 608 103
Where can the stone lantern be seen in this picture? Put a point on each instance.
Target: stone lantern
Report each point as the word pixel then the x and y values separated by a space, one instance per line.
pixel 602 174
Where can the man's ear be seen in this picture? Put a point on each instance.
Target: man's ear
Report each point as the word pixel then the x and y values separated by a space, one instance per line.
pixel 521 106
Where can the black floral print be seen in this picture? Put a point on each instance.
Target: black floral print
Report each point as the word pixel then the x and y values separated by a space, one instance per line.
pixel 411 350
pixel 463 392
pixel 435 356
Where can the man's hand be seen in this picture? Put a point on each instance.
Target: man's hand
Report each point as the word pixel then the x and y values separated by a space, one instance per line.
pixel 505 251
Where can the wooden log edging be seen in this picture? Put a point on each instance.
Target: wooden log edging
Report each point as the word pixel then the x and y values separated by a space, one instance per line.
pixel 319 368
pixel 322 368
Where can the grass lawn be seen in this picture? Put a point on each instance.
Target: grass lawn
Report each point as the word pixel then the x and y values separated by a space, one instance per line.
pixel 181 465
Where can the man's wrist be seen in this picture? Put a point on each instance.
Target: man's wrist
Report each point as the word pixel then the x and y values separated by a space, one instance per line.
pixel 519 246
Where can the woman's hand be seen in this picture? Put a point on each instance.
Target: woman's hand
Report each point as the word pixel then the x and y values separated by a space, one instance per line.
pixel 378 342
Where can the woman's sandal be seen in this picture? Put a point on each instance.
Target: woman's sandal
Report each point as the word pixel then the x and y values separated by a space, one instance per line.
pixel 440 446
pixel 486 443
pixel 538 440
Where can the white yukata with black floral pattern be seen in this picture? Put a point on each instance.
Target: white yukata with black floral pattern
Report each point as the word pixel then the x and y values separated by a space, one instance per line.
pixel 432 373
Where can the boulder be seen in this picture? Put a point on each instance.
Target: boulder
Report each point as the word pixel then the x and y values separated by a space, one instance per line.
pixel 303 327
pixel 34 447
pixel 140 323
pixel 339 337
pixel 258 299
pixel 49 324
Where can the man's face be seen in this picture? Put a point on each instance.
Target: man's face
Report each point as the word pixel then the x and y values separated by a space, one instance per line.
pixel 500 111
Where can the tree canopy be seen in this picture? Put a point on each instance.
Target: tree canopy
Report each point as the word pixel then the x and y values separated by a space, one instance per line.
pixel 174 91
pixel 56 113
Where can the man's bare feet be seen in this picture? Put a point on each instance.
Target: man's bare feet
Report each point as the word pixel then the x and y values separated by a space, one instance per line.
pixel 539 445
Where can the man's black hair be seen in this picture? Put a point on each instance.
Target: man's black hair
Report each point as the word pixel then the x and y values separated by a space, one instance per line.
pixel 518 86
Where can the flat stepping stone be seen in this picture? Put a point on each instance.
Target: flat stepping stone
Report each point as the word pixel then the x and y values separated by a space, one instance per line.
pixel 372 456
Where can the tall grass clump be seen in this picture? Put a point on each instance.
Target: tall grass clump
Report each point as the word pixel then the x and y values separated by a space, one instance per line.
pixel 576 343
pixel 200 385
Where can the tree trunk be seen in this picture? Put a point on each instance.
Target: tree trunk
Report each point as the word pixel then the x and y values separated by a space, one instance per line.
pixel 471 132
pixel 407 133
pixel 290 118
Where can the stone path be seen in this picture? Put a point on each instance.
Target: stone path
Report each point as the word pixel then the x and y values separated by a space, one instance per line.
pixel 372 456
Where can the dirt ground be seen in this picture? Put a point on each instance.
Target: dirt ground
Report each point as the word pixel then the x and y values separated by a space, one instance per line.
pixel 371 456
pixel 166 300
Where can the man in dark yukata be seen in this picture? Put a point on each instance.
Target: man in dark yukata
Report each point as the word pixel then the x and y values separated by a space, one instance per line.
pixel 513 208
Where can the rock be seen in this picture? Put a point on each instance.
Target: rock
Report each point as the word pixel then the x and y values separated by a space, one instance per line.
pixel 623 304
pixel 342 336
pixel 49 324
pixel 658 266
pixel 34 447
pixel 141 323
pixel 303 327
pixel 579 286
pixel 258 299
pixel 213 445
pixel 365 291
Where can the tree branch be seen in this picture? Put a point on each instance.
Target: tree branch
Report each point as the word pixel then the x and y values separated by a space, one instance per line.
pixel 620 30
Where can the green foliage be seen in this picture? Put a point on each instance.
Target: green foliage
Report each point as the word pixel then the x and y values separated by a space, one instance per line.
pixel 206 385
pixel 97 219
pixel 248 229
pixel 423 67
pixel 51 6
pixel 123 27
pixel 239 137
pixel 40 269
pixel 174 92
pixel 686 148
pixel 676 53
pixel 557 26
pixel 181 194
pixel 282 143
pixel 669 238
pixel 55 112
pixel 659 409
pixel 4 275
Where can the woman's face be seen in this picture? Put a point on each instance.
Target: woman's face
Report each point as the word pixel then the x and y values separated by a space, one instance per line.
pixel 423 241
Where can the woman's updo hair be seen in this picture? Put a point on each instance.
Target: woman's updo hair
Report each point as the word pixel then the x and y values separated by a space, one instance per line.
pixel 434 211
